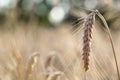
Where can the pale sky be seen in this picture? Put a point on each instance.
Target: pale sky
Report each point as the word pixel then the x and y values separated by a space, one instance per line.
pixel 4 3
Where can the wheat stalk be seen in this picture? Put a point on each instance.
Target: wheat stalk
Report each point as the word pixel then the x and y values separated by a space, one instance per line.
pixel 111 41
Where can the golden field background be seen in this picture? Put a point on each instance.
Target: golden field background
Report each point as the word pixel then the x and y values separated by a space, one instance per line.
pixel 34 48
pixel 19 44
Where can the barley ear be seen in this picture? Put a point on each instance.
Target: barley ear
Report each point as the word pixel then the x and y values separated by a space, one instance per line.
pixel 111 41
pixel 31 65
pixel 55 76
pixel 88 24
pixel 20 65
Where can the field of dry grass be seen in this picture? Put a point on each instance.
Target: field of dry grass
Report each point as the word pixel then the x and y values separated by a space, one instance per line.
pixel 34 48
pixel 34 53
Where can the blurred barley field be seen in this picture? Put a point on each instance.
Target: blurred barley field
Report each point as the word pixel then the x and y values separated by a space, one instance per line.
pixel 18 45
pixel 33 47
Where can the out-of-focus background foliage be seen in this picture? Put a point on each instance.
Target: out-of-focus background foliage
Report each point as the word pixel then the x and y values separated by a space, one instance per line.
pixel 55 12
